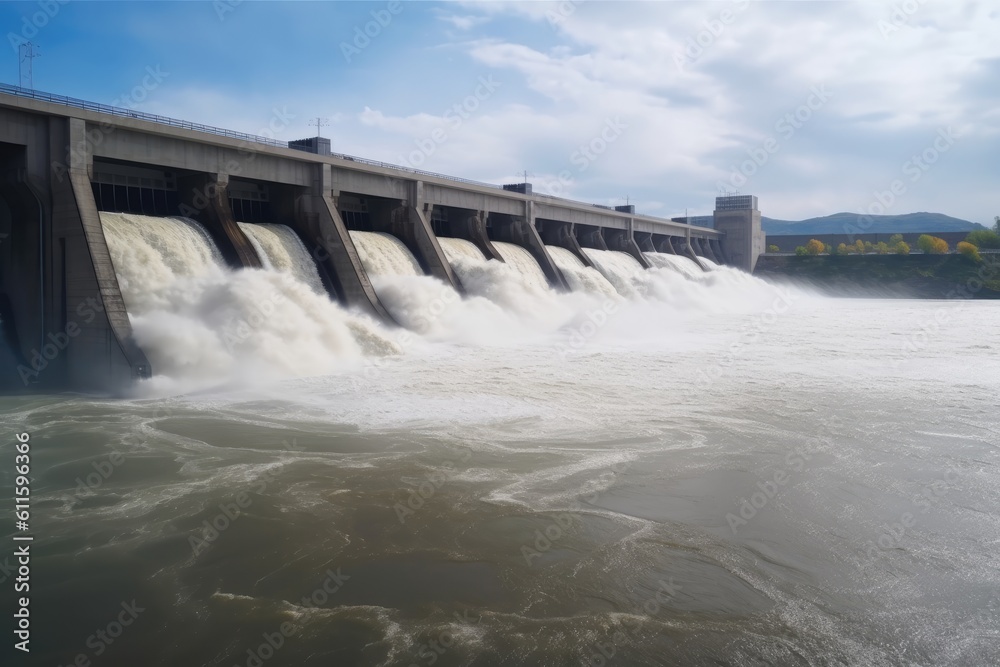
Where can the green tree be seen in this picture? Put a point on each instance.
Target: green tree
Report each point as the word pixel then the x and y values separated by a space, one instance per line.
pixel 902 248
pixel 801 251
pixel 895 239
pixel 984 239
pixel 773 248
pixel 882 248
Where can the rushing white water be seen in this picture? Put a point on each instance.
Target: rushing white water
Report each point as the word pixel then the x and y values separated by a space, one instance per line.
pixel 523 262
pixel 424 303
pixel 281 249
pixel 621 270
pixel 680 263
pixel 201 323
pixel 714 471
pixel 385 255
pixel 581 278
pixel 775 487
pixel 708 264
pixel 504 303
pixel 457 248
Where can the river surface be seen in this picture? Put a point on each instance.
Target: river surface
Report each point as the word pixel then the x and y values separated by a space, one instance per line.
pixel 720 486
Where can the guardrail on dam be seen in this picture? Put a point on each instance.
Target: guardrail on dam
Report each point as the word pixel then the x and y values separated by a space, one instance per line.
pixel 64 161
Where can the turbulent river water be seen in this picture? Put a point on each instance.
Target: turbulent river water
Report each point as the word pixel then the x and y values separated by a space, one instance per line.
pixel 693 469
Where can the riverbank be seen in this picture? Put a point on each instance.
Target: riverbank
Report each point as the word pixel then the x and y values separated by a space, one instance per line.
pixel 915 276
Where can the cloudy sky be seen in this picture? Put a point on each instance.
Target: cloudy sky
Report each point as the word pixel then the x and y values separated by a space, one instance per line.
pixel 816 107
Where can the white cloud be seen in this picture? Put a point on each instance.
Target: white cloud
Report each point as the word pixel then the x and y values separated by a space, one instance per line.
pixel 463 22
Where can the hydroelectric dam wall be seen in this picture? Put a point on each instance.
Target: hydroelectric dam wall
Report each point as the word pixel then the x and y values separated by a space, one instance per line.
pixel 63 162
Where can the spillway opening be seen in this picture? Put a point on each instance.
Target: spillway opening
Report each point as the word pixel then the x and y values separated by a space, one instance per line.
pixel 580 277
pixel 621 270
pixel 354 212
pixel 202 323
pixel 250 202
pixel 679 263
pixel 133 189
pixel 281 249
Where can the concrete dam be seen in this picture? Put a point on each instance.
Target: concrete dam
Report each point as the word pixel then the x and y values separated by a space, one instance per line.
pixel 126 241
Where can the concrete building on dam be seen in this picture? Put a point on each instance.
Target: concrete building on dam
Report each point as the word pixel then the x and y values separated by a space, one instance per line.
pixel 63 162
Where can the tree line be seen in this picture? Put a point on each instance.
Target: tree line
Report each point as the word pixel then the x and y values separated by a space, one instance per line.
pixel 931 245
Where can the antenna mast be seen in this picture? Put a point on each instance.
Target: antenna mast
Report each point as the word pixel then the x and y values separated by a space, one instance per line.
pixel 26 54
pixel 319 122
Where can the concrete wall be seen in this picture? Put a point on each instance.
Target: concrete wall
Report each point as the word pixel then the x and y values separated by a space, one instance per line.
pixel 744 240
pixel 64 300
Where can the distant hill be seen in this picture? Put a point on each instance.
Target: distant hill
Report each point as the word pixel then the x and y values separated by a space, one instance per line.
pixel 881 224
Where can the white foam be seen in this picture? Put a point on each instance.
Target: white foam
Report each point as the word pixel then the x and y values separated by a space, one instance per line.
pixel 523 263
pixel 281 249
pixel 202 324
pixel 580 277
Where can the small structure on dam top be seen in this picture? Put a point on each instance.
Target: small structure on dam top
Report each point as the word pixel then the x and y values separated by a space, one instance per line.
pixel 65 161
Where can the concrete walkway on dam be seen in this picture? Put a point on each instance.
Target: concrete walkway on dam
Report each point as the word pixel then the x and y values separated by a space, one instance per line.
pixel 64 161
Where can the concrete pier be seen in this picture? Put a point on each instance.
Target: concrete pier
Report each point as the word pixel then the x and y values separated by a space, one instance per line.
pixel 563 235
pixel 622 241
pixel 664 244
pixel 520 230
pixel 409 221
pixel 205 199
pixel 466 224
pixel 591 237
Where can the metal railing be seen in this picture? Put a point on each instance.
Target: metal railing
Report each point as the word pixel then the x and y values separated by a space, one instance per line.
pixel 413 170
pixel 139 115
